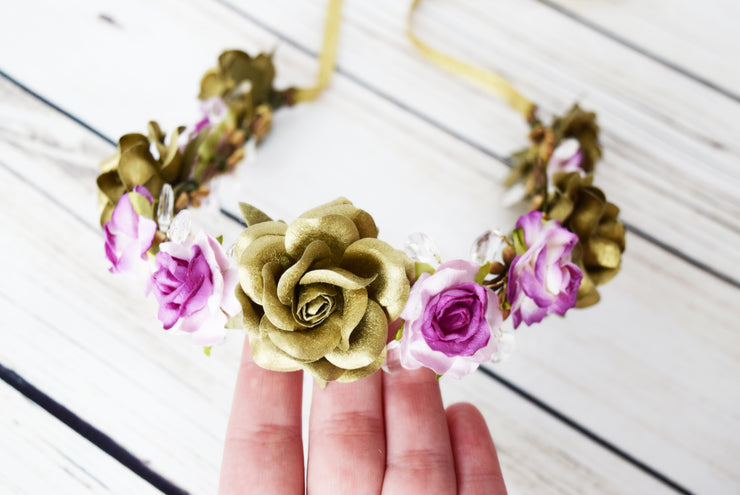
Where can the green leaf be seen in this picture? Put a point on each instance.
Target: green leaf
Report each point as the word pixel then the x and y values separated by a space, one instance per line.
pixel 439 376
pixel 519 245
pixel 207 350
pixel 423 268
pixel 220 239
pixel 483 273
pixel 141 205
pixel 399 332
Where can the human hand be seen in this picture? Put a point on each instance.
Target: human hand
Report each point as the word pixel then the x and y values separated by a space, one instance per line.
pixel 387 433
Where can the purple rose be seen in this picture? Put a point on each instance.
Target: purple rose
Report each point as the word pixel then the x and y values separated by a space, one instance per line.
pixel 129 233
pixel 194 286
pixel 450 322
pixel 567 157
pixel 542 280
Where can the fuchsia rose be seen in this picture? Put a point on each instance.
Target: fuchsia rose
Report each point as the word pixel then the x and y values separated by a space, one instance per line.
pixel 449 322
pixel 542 280
pixel 194 286
pixel 129 235
pixel 567 157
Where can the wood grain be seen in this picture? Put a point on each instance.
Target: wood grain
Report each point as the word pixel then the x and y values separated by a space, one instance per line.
pixel 42 455
pixel 699 37
pixel 653 367
pixel 158 395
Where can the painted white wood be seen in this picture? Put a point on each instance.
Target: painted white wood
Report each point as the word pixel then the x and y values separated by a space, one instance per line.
pixel 671 147
pixel 700 37
pixel 90 342
pixel 624 368
pixel 574 368
pixel 39 454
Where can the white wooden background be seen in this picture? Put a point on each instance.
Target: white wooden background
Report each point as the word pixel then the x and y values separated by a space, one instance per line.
pixel 652 370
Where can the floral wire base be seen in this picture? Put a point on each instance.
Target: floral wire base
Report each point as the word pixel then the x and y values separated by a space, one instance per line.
pixel 322 293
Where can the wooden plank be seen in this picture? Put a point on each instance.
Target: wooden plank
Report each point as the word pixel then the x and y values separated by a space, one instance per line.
pixel 700 37
pixel 671 155
pixel 42 455
pixel 577 364
pixel 91 340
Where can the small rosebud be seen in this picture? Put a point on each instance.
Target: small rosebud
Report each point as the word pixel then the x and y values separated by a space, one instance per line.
pixel 508 255
pixel 182 201
pixel 497 268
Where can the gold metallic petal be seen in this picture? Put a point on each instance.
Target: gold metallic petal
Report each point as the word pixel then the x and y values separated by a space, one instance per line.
pixel 358 374
pixel 306 345
pixel 267 356
pixel 373 257
pixel 366 342
pixel 601 252
pixel 248 235
pixel 602 276
pixel 588 212
pixel 279 315
pixel 250 261
pixel 587 294
pixel 317 250
pixel 342 206
pixel 336 276
pixel 250 316
pixel 337 231
pixel 253 215
pixel 323 370
pixel 315 303
pixel 354 306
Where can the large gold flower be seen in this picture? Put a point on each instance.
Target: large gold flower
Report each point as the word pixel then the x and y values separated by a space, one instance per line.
pixel 318 294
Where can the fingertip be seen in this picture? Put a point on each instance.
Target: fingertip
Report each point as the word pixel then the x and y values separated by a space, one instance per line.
pixel 476 462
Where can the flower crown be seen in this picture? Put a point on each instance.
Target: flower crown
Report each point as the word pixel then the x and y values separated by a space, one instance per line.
pixel 323 293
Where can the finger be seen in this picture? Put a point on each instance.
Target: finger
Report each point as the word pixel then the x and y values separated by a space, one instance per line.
pixel 476 464
pixel 419 458
pixel 263 452
pixel 346 446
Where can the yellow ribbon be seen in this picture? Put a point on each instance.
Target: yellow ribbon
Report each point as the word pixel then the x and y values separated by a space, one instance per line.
pixel 328 54
pixel 483 77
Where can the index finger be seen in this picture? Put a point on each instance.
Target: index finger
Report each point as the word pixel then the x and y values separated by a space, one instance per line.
pixel 263 451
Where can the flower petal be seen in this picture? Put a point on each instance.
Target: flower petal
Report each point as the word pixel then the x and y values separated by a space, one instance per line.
pixel 366 342
pixel 375 258
pixel 305 345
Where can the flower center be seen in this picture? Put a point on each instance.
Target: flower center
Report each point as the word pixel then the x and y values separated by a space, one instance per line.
pixel 315 303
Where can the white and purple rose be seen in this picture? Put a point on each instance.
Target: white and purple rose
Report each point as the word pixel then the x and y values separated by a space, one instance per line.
pixel 450 322
pixel 194 283
pixel 542 280
pixel 567 157
pixel 130 233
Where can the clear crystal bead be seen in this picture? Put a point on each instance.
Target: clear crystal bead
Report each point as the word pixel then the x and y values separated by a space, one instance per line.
pixel 506 343
pixel 230 252
pixel 486 247
pixel 165 208
pixel 180 227
pixel 421 248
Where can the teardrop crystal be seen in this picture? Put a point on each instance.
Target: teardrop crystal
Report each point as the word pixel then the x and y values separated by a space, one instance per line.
pixel 421 248
pixel 180 228
pixel 486 247
pixel 506 343
pixel 165 207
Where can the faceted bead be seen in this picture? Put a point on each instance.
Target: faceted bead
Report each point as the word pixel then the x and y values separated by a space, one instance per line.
pixel 230 251
pixel 165 208
pixel 506 343
pixel 421 248
pixel 486 247
pixel 180 228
